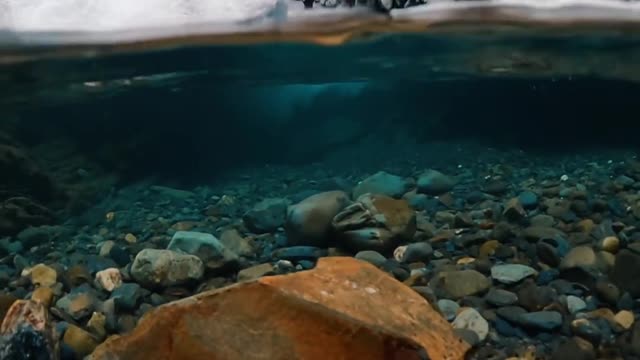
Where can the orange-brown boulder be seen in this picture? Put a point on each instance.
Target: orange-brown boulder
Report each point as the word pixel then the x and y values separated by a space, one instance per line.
pixel 343 309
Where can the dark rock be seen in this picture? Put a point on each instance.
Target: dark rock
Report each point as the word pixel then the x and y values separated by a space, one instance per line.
pixel 528 199
pixel 119 255
pixel 98 263
pixel 607 292
pixel 458 284
pixel 534 298
pixel 625 302
pixel 266 216
pixel 433 182
pixel 513 211
pixel 551 250
pixel 372 257
pixel 574 349
pixel 470 337
pixel 511 313
pixel 495 187
pixel 417 252
pixel 297 253
pixel 626 272
pixel 547 276
pixel 79 304
pixel 499 297
pixel 382 183
pixel 127 296
pixel 541 320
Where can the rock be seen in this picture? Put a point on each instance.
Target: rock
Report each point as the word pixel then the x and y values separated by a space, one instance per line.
pixel 79 340
pixel 460 283
pixel 535 298
pixel 626 272
pixel 574 349
pixel 537 233
pixel 43 295
pixel 499 297
pixel 38 235
pixel 511 273
pixel 607 292
pixel 309 221
pixel 372 257
pixel 417 252
pixel 119 255
pixel 511 313
pixel 528 199
pixel 130 238
pixel 625 318
pixel 551 251
pixel 41 275
pixel 267 215
pixel 470 319
pixel 495 187
pixel 297 253
pixel 586 329
pixel 256 272
pixel 127 296
pixel 109 279
pixel 6 300
pixel 78 305
pixel 164 268
pixel 76 276
pixel 579 257
pixel 242 246
pixel 176 194
pixel 27 333
pixel 575 304
pixel 610 244
pixel 97 325
pixel 541 320
pixel 382 183
pixel 488 248
pixel 433 182
pixel 448 308
pixel 375 222
pixel 341 295
pixel 513 211
pixel 207 248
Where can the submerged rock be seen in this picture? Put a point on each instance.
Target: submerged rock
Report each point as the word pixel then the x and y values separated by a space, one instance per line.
pixel 214 255
pixel 267 215
pixel 153 268
pixel 341 295
pixel 27 333
pixel 460 283
pixel 433 182
pixel 309 221
pixel 382 183
pixel 375 222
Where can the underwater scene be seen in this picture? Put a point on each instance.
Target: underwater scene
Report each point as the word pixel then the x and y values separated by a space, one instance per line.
pixel 284 179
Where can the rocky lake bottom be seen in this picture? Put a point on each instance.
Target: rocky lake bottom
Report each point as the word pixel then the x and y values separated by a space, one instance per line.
pixel 522 255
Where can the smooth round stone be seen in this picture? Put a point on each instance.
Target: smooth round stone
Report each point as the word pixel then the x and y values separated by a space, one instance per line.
pixel 610 244
pixel 470 319
pixel 586 329
pixel 579 256
pixel 575 304
pixel 625 319
pixel 417 252
pixel 541 320
pixel 499 297
pixel 511 273
pixel 382 183
pixel 372 257
pixel 433 182
pixel 267 215
pixel 575 348
pixel 547 276
pixel 528 199
pixel 461 283
pixel 449 308
pixel 468 336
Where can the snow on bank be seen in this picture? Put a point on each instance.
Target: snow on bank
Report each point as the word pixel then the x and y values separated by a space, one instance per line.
pixel 105 15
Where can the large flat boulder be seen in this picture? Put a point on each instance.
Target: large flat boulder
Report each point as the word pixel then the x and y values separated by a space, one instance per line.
pixel 343 309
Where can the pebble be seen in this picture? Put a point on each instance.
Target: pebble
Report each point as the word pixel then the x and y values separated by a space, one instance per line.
pixel 626 272
pixel 78 304
pixel 433 182
pixel 528 199
pixel 165 268
pixel 44 295
pixel 610 244
pixel 267 215
pixel 470 319
pixel 417 252
pixel 109 279
pixel 541 320
pixel 511 273
pixel 41 275
pixel 579 256
pixel 488 248
pixel 449 308
pixel 130 238
pixel 500 297
pixel 309 222
pixel 79 340
pixel 97 325
pixel 256 272
pixel 458 284
pixel 575 304
pixel 625 319
pixel 234 241
pixel 372 257
pixel 382 183
pixel 127 296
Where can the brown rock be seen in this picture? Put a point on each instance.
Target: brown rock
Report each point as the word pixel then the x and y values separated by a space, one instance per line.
pixel 255 272
pixel 305 315
pixel 42 275
pixel 79 340
pixel 43 295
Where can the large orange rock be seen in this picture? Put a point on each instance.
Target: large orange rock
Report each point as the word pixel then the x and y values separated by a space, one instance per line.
pixel 343 309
